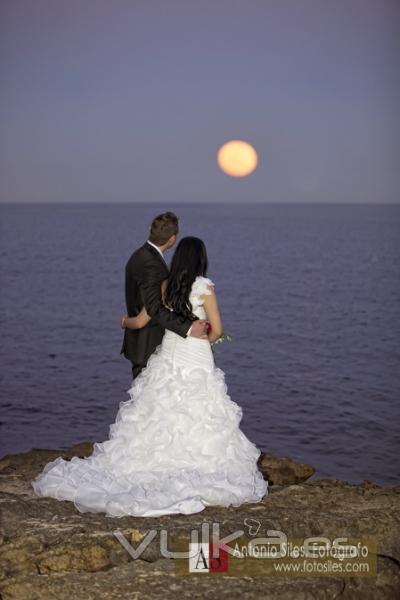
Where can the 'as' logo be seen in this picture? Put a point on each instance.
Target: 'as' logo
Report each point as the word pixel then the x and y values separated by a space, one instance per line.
pixel 207 558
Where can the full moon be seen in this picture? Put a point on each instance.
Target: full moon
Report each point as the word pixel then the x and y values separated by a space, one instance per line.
pixel 237 158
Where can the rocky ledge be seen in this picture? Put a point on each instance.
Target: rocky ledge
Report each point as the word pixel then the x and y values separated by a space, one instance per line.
pixel 49 550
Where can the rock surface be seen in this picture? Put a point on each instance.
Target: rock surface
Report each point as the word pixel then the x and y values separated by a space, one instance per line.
pixel 48 550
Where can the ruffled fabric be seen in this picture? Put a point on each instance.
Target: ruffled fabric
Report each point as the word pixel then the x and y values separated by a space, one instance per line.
pixel 175 446
pixel 200 288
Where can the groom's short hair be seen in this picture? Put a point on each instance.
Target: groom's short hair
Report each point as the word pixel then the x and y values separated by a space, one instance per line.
pixel 163 227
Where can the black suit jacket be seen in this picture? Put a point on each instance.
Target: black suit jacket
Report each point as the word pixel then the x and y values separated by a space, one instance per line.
pixel 144 272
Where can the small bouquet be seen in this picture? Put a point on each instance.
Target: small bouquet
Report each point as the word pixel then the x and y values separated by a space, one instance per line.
pixel 225 337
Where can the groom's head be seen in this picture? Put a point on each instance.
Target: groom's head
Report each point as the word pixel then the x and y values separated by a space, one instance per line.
pixel 164 230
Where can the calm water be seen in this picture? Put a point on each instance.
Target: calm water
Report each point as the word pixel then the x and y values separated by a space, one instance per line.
pixel 310 293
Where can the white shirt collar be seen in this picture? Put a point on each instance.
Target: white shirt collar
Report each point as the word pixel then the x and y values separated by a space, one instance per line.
pixel 156 247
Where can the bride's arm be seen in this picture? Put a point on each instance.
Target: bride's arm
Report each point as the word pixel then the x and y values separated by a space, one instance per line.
pixel 137 322
pixel 213 315
pixel 142 318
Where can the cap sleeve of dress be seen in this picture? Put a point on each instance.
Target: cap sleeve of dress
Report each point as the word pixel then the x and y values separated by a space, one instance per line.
pixel 200 287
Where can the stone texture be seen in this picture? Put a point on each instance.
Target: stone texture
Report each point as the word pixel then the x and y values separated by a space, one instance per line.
pixel 283 471
pixel 49 550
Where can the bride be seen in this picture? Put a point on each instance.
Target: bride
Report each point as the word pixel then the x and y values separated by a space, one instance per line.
pixel 176 445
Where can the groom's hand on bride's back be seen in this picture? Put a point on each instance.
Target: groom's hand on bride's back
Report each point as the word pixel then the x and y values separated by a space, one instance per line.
pixel 199 329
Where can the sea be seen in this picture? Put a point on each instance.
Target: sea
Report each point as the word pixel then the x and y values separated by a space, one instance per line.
pixel 310 294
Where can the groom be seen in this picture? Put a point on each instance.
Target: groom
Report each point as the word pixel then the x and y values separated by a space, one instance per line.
pixel 144 272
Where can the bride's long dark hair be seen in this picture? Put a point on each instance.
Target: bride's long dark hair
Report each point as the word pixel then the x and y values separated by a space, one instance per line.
pixel 189 260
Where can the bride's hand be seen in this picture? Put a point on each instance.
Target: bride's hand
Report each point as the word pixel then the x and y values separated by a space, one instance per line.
pixel 122 322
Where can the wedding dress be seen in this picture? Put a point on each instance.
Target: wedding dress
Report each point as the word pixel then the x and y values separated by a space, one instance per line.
pixel 175 446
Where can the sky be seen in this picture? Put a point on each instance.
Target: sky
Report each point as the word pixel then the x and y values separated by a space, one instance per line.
pixel 129 100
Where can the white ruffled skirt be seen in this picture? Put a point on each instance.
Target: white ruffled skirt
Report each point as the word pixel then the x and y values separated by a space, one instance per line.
pixel 175 446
